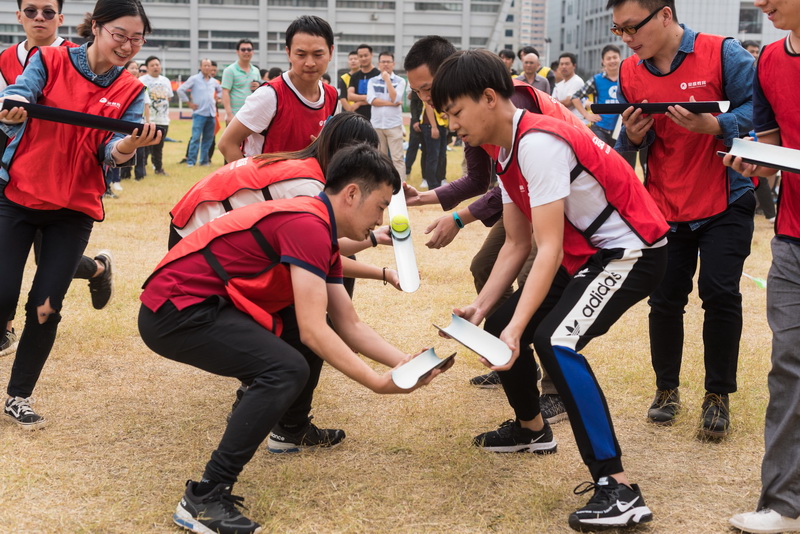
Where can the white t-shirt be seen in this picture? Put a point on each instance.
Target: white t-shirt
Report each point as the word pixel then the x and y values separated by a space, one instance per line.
pixel 565 89
pixel 260 108
pixel 160 91
pixel 549 180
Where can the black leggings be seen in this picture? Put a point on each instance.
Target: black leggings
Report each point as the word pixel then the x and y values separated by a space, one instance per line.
pixel 282 373
pixel 65 234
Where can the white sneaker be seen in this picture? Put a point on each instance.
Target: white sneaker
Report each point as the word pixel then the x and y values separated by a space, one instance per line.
pixel 765 521
pixel 116 186
pixel 424 184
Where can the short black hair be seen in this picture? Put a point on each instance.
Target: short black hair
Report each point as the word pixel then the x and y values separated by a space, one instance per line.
pixel 240 42
pixel 569 55
pixel 352 53
pixel 60 5
pixel 525 50
pixel 312 25
pixel 326 77
pixel 364 45
pixel 431 51
pixel 609 48
pixel 363 165
pixel 649 5
pixel 274 72
pixel 149 59
pixel 386 53
pixel 747 43
pixel 470 73
pixel 506 53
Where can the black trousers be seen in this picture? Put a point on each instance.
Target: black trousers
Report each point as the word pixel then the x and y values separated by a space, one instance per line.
pixel 282 373
pixel 722 245
pixel 65 234
pixel 577 309
pixel 157 151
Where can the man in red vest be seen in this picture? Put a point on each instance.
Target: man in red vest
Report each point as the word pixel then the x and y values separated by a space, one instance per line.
pixel 775 112
pixel 710 208
pixel 601 249
pixel 246 296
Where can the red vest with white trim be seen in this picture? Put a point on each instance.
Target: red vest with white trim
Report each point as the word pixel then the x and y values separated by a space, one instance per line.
pixel 294 122
pixel 777 72
pixel 260 294
pixel 245 173
pixel 624 192
pixel 10 67
pixel 544 104
pixel 684 174
pixel 58 165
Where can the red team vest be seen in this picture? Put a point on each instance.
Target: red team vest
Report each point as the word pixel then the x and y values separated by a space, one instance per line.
pixel 623 191
pixel 544 104
pixel 260 295
pixel 10 67
pixel 777 73
pixel 245 173
pixel 40 181
pixel 294 122
pixel 685 176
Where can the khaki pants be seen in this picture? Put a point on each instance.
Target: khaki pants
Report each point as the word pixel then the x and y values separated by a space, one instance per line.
pixel 391 143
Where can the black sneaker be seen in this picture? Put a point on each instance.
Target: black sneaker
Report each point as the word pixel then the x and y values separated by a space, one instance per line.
pixel 101 287
pixel 513 437
pixel 213 513
pixel 716 422
pixel 20 411
pixel 8 343
pixel 665 407
pixel 284 441
pixel 552 407
pixel 239 395
pixel 490 380
pixel 613 505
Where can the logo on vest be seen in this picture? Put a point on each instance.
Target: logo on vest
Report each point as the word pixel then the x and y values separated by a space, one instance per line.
pixel 693 85
pixel 105 101
pixel 597 296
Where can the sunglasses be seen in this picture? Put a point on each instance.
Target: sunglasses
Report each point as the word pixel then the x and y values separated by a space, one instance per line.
pixel 631 30
pixel 245 50
pixel 142 71
pixel 31 13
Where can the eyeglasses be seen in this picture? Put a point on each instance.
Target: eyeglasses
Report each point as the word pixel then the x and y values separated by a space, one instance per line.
pixel 31 13
pixel 122 39
pixel 631 30
pixel 245 50
pixel 143 71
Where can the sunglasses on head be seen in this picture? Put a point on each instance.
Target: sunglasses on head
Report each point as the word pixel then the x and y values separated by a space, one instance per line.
pixel 47 13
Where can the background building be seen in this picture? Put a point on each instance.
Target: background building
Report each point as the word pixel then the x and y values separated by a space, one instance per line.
pixel 184 31
pixel 582 26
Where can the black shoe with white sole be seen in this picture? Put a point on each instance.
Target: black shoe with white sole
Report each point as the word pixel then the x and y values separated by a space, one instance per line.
pixel 613 505
pixel 513 437
pixel 282 440
pixel 20 411
pixel 213 513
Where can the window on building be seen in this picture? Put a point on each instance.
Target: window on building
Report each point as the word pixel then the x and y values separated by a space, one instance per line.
pixel 509 33
pixel 437 6
pixel 230 2
pixel 364 4
pixel 749 20
pixel 510 18
pixel 298 3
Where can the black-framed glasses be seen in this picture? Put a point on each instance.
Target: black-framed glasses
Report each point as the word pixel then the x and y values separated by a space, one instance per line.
pixel 48 14
pixel 143 71
pixel 122 39
pixel 631 30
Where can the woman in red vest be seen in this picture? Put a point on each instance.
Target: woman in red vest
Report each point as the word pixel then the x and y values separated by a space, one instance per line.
pixel 61 196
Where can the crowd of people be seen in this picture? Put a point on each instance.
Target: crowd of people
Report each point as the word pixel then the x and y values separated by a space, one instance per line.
pixel 262 293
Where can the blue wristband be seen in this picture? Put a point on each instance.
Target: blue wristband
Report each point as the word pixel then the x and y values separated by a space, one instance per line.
pixel 458 220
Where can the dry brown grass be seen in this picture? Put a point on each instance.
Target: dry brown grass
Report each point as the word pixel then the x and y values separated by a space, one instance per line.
pixel 128 427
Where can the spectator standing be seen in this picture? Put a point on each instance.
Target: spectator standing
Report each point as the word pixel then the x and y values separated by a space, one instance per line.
pixel 140 170
pixel 159 89
pixel 570 82
pixel 530 73
pixel 385 95
pixel 414 132
pixel 357 89
pixel 434 135
pixel 603 89
pixel 508 58
pixel 203 91
pixel 544 72
pixel 710 208
pixel 239 80
pixel 344 82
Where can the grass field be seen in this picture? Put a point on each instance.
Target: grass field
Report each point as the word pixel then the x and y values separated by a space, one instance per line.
pixel 127 427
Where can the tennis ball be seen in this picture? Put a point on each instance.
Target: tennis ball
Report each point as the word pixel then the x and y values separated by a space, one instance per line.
pixel 399 223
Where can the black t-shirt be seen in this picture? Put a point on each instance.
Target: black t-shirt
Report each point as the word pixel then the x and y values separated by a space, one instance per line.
pixel 359 82
pixel 342 87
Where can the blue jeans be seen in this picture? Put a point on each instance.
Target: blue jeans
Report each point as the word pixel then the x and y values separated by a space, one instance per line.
pixel 202 127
